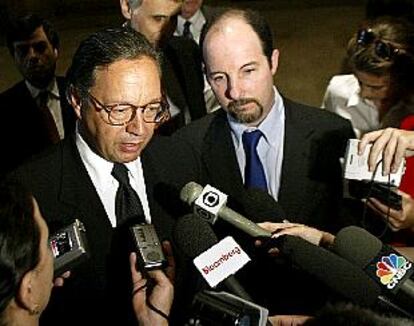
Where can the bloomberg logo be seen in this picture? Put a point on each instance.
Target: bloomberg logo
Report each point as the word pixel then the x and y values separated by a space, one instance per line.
pixel 391 269
pixel 223 259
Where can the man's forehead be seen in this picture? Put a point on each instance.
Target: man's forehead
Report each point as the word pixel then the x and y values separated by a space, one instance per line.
pixel 161 7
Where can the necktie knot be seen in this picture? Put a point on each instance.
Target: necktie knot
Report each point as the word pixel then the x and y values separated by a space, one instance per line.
pixel 120 173
pixel 187 32
pixel 42 99
pixel 251 139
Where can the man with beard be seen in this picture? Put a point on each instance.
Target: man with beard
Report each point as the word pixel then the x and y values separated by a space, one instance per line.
pixel 261 143
pixel 37 104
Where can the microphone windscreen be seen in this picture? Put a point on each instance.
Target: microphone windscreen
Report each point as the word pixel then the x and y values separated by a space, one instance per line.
pixel 193 235
pixel 332 270
pixel 357 245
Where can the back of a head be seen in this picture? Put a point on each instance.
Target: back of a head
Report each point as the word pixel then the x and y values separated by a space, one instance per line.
pixel 19 240
pixel 363 54
pixel 21 28
pixel 349 314
pixel 103 48
pixel 251 17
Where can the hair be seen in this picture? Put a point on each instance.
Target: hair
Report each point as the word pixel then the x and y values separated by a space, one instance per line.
pixel 103 48
pixel 400 34
pixel 394 8
pixel 252 18
pixel 345 314
pixel 21 29
pixel 134 4
pixel 19 240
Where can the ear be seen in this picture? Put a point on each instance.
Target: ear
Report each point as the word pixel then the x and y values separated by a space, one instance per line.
pixel 25 296
pixel 75 101
pixel 274 61
pixel 125 9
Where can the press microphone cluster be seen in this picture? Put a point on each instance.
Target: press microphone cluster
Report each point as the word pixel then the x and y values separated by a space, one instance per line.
pixel 388 268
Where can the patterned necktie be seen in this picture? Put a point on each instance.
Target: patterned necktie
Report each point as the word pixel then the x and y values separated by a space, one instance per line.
pixel 187 32
pixel 128 206
pixel 47 117
pixel 254 174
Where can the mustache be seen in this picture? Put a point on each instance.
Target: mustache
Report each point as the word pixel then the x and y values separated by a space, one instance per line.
pixel 236 104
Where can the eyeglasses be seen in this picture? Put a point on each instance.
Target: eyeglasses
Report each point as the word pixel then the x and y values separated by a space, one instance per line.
pixel 383 50
pixel 120 114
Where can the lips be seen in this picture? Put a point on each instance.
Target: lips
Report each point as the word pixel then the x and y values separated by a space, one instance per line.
pixel 130 147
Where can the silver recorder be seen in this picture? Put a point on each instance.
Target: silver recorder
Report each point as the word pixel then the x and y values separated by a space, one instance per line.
pixel 149 251
pixel 69 247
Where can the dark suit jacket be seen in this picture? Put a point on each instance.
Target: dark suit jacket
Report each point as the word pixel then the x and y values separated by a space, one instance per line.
pixel 183 76
pixel 23 133
pixel 310 192
pixel 98 291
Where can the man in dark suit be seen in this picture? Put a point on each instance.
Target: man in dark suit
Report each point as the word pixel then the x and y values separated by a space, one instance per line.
pixel 261 140
pixel 38 103
pixel 115 91
pixel 182 75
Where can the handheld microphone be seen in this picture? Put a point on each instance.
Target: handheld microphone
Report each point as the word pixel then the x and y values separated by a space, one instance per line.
pixel 388 268
pixel 194 236
pixel 335 272
pixel 210 203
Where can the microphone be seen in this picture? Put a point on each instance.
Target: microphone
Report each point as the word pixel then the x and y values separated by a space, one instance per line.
pixel 210 203
pixel 194 236
pixel 335 272
pixel 388 268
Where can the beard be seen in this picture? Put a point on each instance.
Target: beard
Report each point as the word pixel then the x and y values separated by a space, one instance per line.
pixel 236 110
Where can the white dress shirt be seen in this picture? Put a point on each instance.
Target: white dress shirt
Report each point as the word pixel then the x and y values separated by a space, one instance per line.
pixel 343 98
pixel 53 103
pixel 270 146
pixel 197 22
pixel 106 185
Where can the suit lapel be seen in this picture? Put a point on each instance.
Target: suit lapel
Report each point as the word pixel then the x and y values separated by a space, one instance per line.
pixel 295 167
pixel 220 157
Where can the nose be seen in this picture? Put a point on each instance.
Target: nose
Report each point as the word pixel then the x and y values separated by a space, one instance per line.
pixel 366 92
pixel 137 125
pixel 233 91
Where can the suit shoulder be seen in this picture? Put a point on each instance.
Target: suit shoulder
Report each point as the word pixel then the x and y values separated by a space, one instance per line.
pixel 14 90
pixel 196 130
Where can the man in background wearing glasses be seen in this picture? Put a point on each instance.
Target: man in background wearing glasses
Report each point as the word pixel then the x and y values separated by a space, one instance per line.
pixel 115 90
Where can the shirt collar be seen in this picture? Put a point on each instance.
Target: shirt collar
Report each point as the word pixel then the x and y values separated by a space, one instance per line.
pixel 100 168
pixel 266 126
pixel 52 88
pixel 197 20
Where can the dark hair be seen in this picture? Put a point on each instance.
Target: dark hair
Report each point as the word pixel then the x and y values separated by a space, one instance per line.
pixel 102 49
pixel 400 34
pixel 22 28
pixel 345 314
pixel 252 18
pixel 395 8
pixel 19 239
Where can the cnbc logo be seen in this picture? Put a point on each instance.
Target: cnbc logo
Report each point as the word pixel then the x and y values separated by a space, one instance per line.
pixel 391 269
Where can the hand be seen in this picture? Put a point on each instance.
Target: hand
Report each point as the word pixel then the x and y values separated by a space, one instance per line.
pixel 161 296
pixel 60 281
pixel 288 320
pixel 393 144
pixel 397 219
pixel 305 232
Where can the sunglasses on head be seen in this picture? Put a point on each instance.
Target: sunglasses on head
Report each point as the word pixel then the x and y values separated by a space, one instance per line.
pixel 382 49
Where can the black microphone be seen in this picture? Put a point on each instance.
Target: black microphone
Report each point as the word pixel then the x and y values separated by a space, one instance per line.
pixel 388 268
pixel 194 236
pixel 330 269
pixel 209 204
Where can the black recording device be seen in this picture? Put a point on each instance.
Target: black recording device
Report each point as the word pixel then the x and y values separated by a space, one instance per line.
pixel 385 193
pixel 69 247
pixel 225 309
pixel 148 247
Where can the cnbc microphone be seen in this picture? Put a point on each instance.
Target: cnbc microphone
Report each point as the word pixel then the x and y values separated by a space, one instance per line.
pixel 193 237
pixel 333 271
pixel 210 204
pixel 387 267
